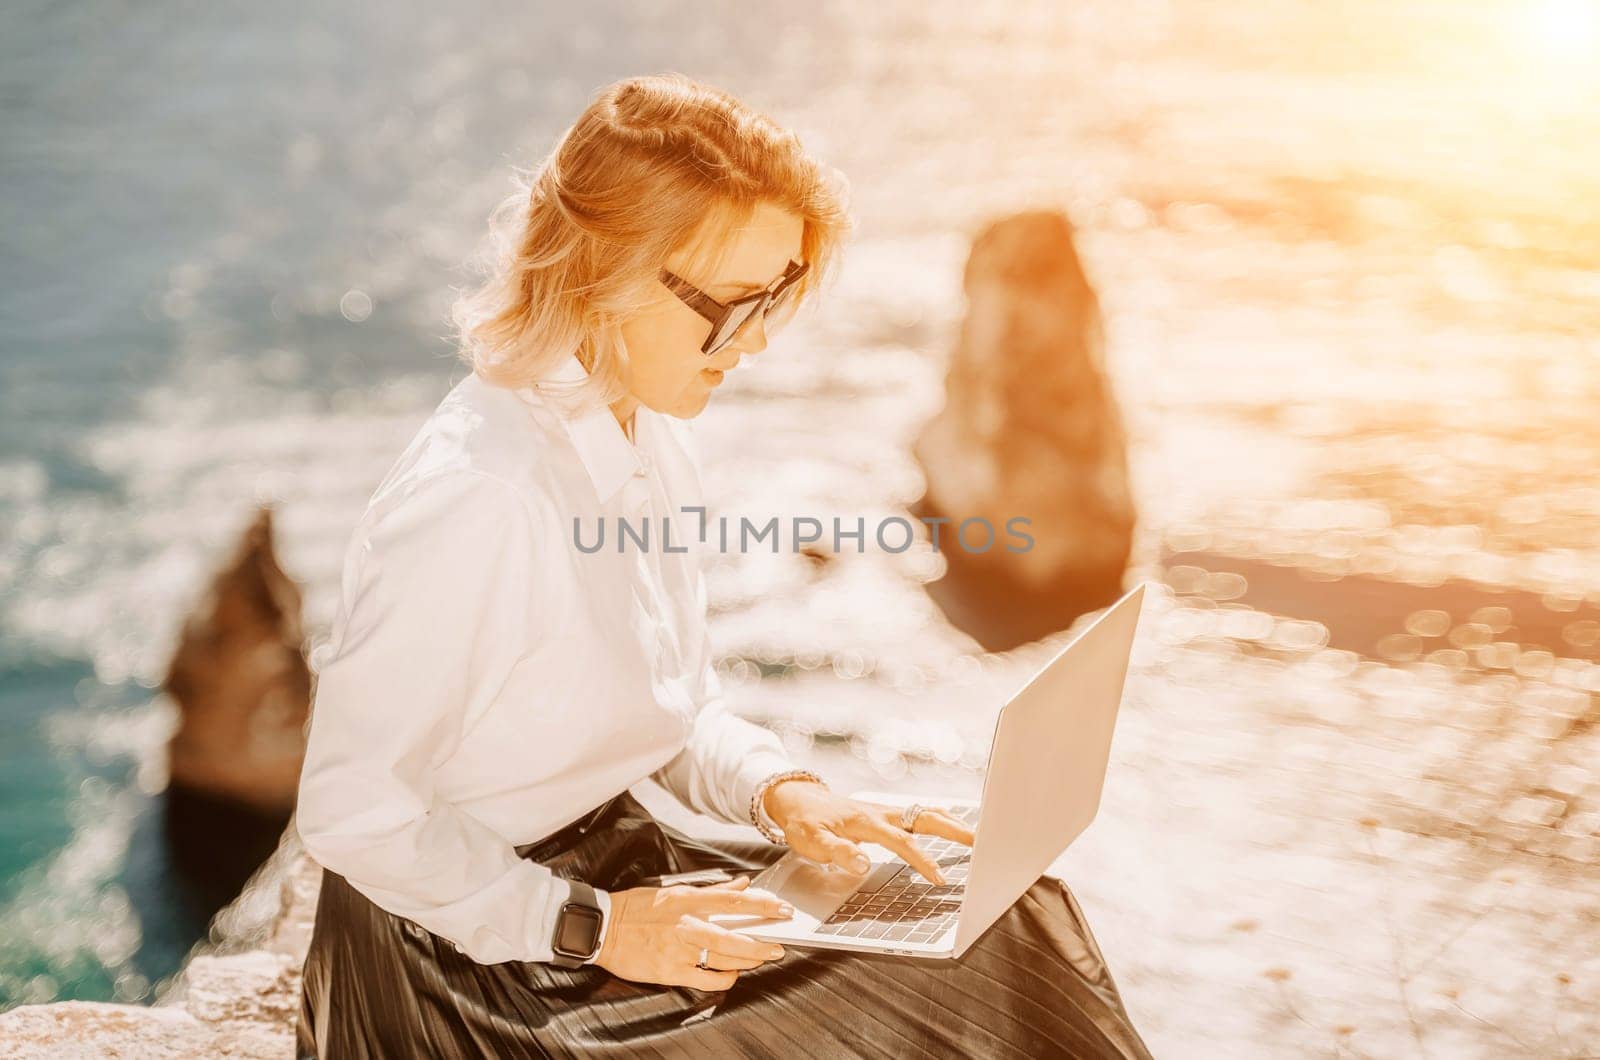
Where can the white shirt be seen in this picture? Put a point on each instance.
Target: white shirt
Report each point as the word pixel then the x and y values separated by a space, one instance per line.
pixel 487 682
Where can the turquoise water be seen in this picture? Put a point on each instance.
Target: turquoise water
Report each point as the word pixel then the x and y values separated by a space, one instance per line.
pixel 99 921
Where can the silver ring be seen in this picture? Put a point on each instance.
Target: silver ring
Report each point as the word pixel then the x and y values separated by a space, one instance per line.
pixel 704 963
pixel 908 816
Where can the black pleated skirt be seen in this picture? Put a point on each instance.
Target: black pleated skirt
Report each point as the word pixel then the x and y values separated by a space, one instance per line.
pixel 378 985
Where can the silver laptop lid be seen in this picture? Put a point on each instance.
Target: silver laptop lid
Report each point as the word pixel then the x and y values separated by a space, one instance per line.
pixel 1047 765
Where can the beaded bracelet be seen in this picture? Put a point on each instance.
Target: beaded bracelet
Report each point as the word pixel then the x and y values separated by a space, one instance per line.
pixel 758 816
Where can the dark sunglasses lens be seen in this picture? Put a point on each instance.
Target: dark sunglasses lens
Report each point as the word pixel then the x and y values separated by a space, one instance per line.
pixel 740 313
pixel 737 317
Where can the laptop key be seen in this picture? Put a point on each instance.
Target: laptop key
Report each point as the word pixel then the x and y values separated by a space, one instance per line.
pixel 898 932
pixel 880 875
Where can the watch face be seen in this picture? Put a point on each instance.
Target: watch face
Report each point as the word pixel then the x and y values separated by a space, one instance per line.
pixel 577 931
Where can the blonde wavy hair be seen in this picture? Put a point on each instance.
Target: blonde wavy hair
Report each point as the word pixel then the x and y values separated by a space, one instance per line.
pixel 577 247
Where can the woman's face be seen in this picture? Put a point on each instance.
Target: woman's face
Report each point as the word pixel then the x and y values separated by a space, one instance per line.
pixel 667 371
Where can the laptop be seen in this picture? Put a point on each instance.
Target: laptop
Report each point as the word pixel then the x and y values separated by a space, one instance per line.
pixel 1041 789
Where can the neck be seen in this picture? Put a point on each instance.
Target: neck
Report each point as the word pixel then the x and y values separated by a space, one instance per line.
pixel 623 409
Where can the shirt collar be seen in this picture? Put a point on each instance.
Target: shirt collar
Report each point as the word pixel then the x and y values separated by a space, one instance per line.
pixel 606 453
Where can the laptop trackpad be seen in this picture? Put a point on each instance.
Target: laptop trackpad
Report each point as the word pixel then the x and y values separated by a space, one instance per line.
pixel 813 889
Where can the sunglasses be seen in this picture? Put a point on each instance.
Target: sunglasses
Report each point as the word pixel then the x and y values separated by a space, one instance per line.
pixel 727 319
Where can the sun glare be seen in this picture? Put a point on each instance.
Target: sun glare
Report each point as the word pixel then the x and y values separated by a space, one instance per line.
pixel 1567 29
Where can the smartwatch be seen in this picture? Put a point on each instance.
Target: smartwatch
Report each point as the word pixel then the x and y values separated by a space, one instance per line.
pixel 577 935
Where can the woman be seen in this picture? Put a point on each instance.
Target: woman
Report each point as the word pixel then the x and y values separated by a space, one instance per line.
pixel 495 683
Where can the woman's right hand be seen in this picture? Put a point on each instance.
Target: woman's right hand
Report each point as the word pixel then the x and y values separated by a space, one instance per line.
pixel 655 934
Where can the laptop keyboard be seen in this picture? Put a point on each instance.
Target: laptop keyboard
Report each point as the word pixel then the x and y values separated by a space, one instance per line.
pixel 895 903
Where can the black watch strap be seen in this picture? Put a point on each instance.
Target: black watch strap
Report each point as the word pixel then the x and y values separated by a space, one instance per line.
pixel 579 926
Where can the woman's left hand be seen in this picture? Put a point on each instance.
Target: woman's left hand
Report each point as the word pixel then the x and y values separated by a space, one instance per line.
pixel 821 825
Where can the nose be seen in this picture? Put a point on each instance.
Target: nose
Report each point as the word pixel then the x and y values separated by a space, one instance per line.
pixel 752 338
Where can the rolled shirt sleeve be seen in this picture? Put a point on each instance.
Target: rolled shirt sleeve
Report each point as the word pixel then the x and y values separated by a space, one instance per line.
pixel 439 604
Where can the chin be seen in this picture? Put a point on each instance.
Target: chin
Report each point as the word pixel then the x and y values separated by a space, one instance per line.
pixel 695 401
pixel 688 407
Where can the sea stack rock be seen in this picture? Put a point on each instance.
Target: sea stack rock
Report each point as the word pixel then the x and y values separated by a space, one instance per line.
pixel 243 691
pixel 1030 428
pixel 241 683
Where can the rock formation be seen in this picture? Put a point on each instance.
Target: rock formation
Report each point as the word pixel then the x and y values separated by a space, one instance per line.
pixel 242 685
pixel 243 689
pixel 1030 428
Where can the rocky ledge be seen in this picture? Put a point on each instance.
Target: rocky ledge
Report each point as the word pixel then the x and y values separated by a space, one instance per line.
pixel 238 1001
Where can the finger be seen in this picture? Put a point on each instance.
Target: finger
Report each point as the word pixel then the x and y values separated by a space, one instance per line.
pixel 940 823
pixel 700 933
pixel 750 902
pixel 721 962
pixel 832 849
pixel 899 841
pixel 686 892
